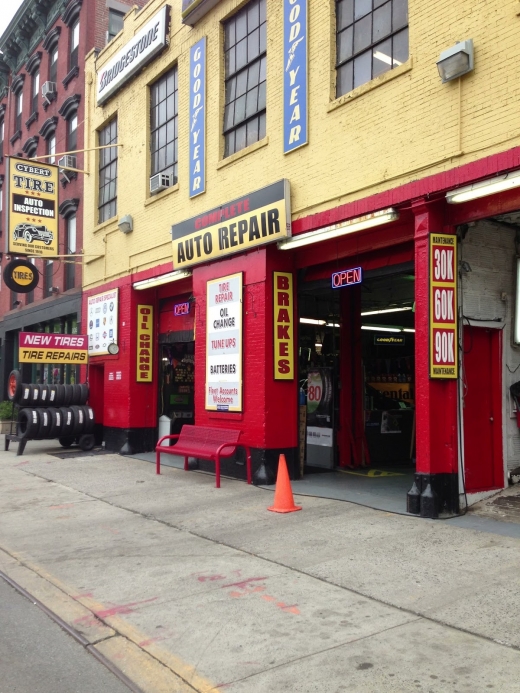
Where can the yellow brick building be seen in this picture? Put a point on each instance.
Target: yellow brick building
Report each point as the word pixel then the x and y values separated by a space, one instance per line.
pixel 398 140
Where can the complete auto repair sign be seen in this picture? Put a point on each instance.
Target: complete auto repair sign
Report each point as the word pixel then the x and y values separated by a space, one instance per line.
pixel 443 306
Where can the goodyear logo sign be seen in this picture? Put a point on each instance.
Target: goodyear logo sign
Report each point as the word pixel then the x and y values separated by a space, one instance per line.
pixel 263 216
pixel 32 208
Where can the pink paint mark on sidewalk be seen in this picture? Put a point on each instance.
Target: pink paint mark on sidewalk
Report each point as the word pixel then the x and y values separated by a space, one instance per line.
pixel 19 464
pixel 243 583
pixel 60 507
pixel 122 609
pixel 210 578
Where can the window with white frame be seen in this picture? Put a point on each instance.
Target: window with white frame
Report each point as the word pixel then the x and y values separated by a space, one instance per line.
pixel 18 111
pixel 164 101
pixel 35 91
pixel 115 23
pixel 53 65
pixel 51 148
pixel 72 133
pixel 70 267
pixel 74 45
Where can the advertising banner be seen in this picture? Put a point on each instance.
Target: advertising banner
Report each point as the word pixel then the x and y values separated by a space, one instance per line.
pixel 102 321
pixel 319 397
pixel 142 48
pixel 224 344
pixel 21 276
pixel 283 326
pixel 198 118
pixel 443 306
pixel 295 78
pixel 261 217
pixel 40 347
pixel 32 208
pixel 144 344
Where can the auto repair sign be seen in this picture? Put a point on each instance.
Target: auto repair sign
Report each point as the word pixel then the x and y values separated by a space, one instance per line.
pixel 32 208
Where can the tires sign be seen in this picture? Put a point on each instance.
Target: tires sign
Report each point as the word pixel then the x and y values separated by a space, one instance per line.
pixel 443 306
pixel 21 276
pixel 42 347
pixel 32 208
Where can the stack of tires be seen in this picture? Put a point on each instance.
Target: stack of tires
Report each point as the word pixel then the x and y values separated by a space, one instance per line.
pixel 52 411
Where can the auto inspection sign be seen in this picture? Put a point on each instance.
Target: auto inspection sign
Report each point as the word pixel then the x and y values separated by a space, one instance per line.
pixel 32 208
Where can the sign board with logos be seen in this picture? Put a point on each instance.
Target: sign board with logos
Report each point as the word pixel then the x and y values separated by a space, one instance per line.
pixel 32 208
pixel 295 78
pixel 21 276
pixel 198 118
pixel 134 55
pixel 224 344
pixel 347 277
pixel 283 326
pixel 261 217
pixel 102 318
pixel 41 347
pixel 144 344
pixel 443 306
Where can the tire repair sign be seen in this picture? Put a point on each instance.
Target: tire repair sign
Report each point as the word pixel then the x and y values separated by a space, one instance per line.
pixel 42 347
pixel 443 306
pixel 32 208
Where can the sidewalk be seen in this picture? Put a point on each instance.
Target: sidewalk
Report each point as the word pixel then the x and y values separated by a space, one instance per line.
pixel 186 587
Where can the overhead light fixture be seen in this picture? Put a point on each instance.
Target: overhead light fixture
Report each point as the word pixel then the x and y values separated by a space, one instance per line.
pixel 312 321
pixel 332 324
pixel 367 221
pixel 163 279
pixel 456 61
pixel 408 329
pixel 387 310
pixel 484 188
pixel 377 328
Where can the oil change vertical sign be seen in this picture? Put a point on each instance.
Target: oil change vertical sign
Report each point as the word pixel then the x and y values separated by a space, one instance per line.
pixel 198 118
pixel 144 344
pixel 295 80
pixel 443 306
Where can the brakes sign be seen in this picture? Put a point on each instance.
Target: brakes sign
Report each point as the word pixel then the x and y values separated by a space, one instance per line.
pixel 40 347
pixel 443 306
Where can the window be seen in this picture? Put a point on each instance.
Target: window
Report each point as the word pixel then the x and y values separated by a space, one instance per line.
pixel 74 43
pixel 48 274
pixel 72 133
pixel 108 172
pixel 51 148
pixel 1 208
pixel 29 297
pixel 53 66
pixel 35 91
pixel 163 123
pixel 115 23
pixel 371 38
pixel 70 267
pixel 245 48
pixel 19 107
pixel 2 135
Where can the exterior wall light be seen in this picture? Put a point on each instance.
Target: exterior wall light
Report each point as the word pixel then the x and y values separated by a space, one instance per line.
pixel 126 224
pixel 456 61
pixel 484 188
pixel 162 279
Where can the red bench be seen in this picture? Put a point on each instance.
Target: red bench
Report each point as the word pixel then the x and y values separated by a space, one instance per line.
pixel 206 443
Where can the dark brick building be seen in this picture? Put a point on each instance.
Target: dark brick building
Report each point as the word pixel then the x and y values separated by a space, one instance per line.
pixel 42 102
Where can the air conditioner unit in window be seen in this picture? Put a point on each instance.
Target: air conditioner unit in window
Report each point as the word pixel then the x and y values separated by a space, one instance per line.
pixel 160 181
pixel 49 90
pixel 67 161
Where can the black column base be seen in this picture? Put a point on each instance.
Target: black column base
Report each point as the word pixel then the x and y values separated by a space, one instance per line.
pixel 434 495
pixel 129 441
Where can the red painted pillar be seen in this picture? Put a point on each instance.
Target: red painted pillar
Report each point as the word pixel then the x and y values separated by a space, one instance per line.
pixel 436 478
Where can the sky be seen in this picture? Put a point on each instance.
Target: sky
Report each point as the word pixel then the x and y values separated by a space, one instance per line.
pixel 7 11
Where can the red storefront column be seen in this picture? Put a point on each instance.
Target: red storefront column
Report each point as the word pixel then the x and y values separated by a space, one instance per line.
pixel 436 481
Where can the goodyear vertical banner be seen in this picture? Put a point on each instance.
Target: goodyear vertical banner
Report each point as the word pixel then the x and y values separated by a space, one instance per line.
pixel 32 208
pixel 283 326
pixel 198 118
pixel 443 306
pixel 144 344
pixel 295 79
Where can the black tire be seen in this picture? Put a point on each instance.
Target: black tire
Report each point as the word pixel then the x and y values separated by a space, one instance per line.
pixel 67 424
pixel 68 395
pixel 53 389
pixel 28 423
pixel 87 441
pixel 76 394
pixel 14 386
pixel 60 395
pixel 25 396
pixel 89 419
pixel 35 395
pixel 84 393
pixel 44 395
pixel 45 424
pixel 67 441
pixel 79 419
pixel 56 421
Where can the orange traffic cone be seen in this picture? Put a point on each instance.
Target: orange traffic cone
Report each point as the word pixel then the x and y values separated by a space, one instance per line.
pixel 283 497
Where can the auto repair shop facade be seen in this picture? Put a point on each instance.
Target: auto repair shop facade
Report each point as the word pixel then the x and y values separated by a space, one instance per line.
pixel 360 170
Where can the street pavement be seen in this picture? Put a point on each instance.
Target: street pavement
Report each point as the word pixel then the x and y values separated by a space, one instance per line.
pixel 37 656
pixel 185 587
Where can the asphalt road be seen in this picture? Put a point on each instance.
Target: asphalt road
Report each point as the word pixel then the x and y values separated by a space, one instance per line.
pixel 37 656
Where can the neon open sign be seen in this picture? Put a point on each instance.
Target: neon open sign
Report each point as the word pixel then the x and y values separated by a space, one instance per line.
pixel 347 277
pixel 181 308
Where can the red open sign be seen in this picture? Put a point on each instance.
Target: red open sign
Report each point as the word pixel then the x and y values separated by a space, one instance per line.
pixel 181 308
pixel 347 277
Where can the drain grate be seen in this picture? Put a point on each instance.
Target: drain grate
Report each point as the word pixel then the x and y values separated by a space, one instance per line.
pixel 80 453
